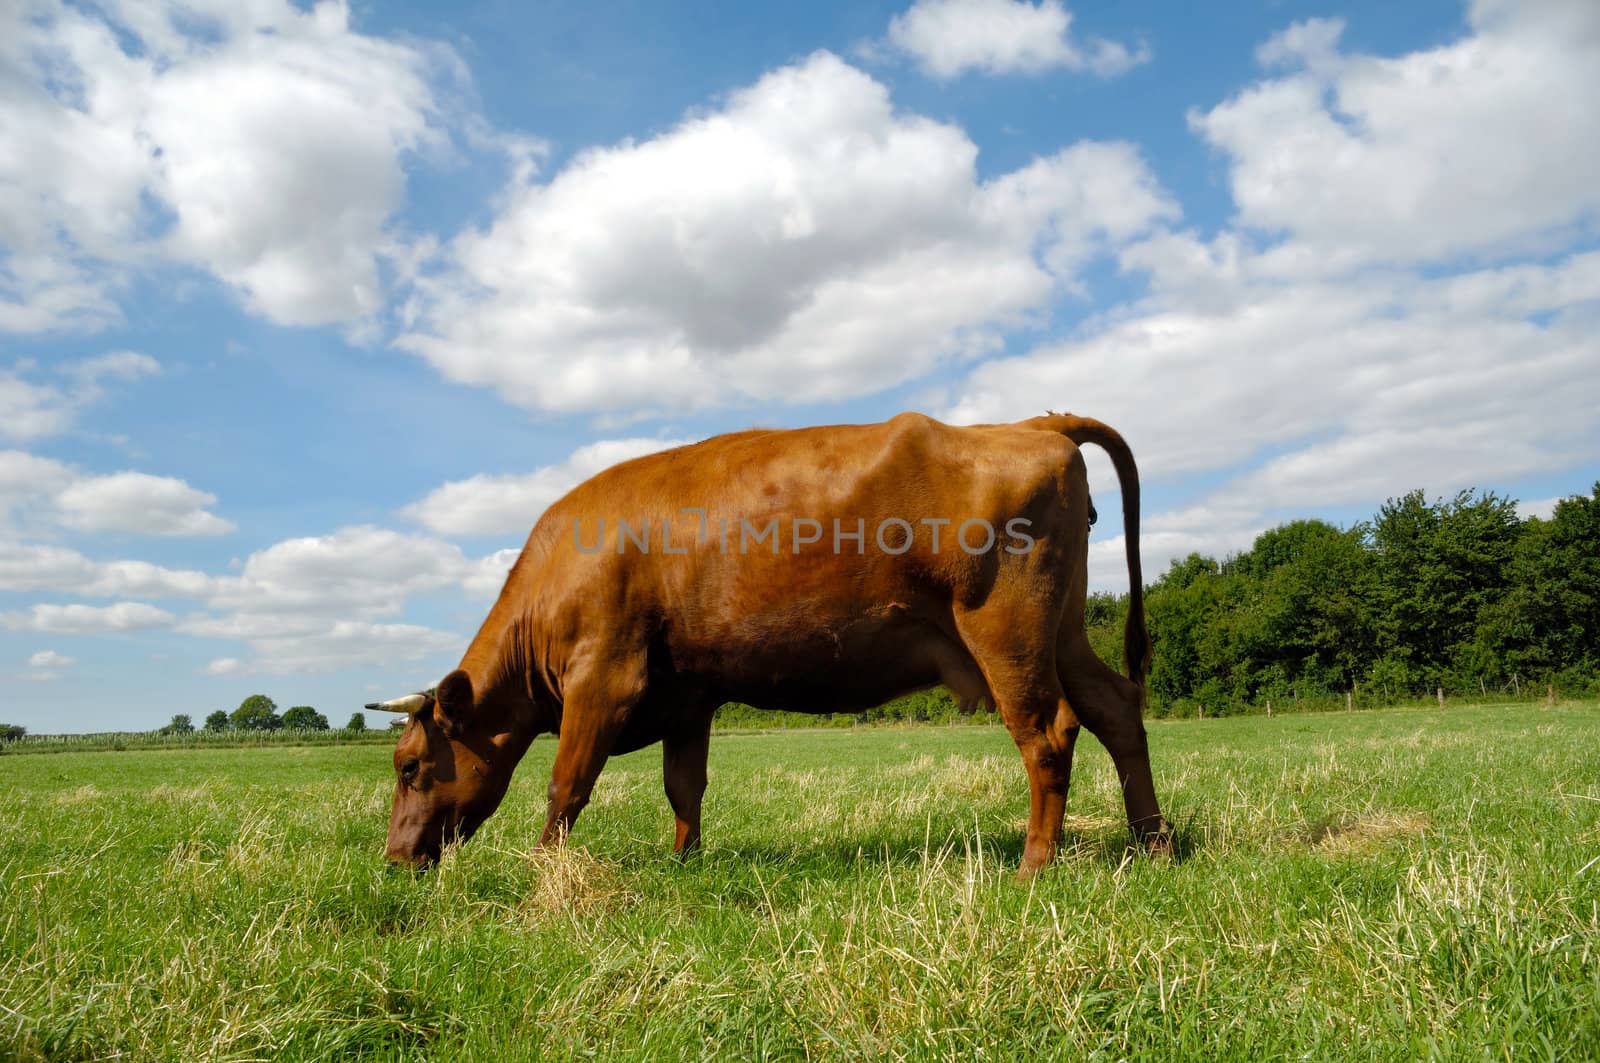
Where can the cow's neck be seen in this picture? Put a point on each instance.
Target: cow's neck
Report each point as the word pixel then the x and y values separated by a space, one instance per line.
pixel 509 687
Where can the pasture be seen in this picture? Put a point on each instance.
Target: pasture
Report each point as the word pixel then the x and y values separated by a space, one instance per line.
pixel 1381 885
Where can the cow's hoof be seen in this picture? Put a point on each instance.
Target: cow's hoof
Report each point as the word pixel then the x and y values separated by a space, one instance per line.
pixel 1160 845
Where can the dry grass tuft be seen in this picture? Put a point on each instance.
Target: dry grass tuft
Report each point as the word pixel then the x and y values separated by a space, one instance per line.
pixel 567 882
pixel 81 796
pixel 1352 833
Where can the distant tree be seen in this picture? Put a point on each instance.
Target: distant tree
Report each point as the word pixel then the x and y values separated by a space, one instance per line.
pixel 358 722
pixel 1308 613
pixel 10 732
pixel 1438 566
pixel 180 725
pixel 256 713
pixel 218 721
pixel 1548 619
pixel 304 718
pixel 1104 615
pixel 398 723
pixel 1184 607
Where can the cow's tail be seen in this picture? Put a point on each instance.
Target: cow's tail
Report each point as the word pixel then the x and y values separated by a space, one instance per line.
pixel 1135 636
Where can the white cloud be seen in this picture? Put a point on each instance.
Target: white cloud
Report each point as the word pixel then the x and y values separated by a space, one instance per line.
pixel 27 410
pixel 44 492
pixel 139 502
pixel 488 574
pixel 91 373
pixel 500 505
pixel 47 491
pixel 948 38
pixel 261 142
pixel 1543 508
pixel 363 571
pixel 44 567
pixel 223 666
pixel 49 659
pixel 78 619
pixel 805 241
pixel 31 408
pixel 352 644
pixel 321 603
pixel 1483 146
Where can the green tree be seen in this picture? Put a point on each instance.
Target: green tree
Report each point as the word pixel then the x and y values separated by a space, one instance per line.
pixel 358 722
pixel 1184 610
pixel 218 721
pixel 304 718
pixel 1103 617
pixel 1548 622
pixel 1309 621
pixel 181 725
pixel 256 713
pixel 1438 567
pixel 10 732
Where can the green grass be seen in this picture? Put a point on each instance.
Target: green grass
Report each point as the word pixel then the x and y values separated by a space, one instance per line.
pixel 1382 885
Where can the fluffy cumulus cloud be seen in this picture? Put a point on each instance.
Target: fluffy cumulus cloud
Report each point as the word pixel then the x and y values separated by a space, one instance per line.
pixel 1480 146
pixel 510 504
pixel 42 491
pixel 1410 298
pixel 804 241
pixel 46 666
pixel 34 567
pixel 79 619
pixel 948 38
pixel 324 603
pixel 139 502
pixel 262 142
pixel 49 659
pixel 315 603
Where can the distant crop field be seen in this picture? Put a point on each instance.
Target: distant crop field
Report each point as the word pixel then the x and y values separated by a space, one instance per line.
pixel 1379 885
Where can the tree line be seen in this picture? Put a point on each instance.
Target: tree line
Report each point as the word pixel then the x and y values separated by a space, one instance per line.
pixel 1458 594
pixel 260 713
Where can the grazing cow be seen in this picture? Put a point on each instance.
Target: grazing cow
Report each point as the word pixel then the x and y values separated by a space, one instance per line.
pixel 818 570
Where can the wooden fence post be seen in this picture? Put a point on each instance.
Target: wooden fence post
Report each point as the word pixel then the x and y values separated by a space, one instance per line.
pixel 1269 708
pixel 1348 705
pixel 1441 697
pixel 1549 694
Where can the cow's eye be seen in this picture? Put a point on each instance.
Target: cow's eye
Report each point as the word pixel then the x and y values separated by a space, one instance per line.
pixel 408 769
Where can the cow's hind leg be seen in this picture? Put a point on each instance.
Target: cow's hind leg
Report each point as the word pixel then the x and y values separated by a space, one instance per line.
pixel 684 751
pixel 594 710
pixel 1028 695
pixel 1109 705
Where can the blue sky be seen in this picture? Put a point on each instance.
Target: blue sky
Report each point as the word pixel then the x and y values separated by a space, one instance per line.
pixel 307 311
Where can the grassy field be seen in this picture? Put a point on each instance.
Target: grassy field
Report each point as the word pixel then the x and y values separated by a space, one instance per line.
pixel 1381 885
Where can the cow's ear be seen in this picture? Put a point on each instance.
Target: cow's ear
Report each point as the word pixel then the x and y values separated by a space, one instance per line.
pixel 454 698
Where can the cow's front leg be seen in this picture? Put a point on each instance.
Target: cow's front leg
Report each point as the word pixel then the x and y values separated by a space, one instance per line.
pixel 683 757
pixel 592 716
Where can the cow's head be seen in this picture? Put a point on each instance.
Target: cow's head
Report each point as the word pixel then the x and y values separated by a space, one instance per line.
pixel 451 770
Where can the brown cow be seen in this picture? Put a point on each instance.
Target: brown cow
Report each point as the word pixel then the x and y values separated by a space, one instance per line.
pixel 816 570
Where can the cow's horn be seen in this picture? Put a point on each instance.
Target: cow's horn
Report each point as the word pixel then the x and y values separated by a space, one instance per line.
pixel 409 703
